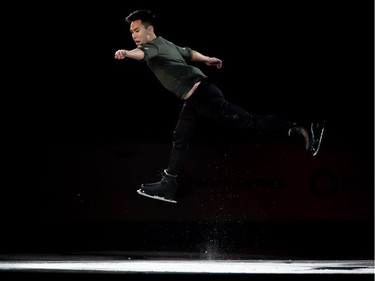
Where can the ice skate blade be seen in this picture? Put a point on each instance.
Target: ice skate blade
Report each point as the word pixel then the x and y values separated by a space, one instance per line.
pixel 319 141
pixel 140 192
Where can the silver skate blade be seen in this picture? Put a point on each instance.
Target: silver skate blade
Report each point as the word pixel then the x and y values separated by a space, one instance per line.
pixel 140 192
pixel 320 138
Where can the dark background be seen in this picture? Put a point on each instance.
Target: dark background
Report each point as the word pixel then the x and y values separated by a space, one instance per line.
pixel 301 61
pixel 84 131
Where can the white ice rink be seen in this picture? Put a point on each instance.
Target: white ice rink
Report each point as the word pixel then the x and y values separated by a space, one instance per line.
pixel 193 266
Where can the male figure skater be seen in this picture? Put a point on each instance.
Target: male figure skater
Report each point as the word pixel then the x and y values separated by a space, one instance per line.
pixel 169 63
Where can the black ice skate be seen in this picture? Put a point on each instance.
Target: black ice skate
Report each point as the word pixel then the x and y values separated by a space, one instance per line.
pixel 313 135
pixel 164 190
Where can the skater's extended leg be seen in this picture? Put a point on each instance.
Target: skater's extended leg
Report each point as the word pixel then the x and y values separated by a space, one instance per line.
pixel 211 102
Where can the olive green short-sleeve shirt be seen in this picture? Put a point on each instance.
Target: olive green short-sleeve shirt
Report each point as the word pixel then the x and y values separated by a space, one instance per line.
pixel 169 63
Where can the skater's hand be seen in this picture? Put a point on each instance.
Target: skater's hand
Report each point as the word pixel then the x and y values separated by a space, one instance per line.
pixel 120 54
pixel 214 62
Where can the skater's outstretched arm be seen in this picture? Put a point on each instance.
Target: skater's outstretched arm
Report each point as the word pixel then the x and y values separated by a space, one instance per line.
pixel 210 61
pixel 136 54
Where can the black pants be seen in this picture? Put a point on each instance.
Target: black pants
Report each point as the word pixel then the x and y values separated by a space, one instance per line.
pixel 208 100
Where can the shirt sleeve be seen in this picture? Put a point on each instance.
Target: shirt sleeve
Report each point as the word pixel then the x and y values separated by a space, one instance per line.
pixel 150 50
pixel 185 52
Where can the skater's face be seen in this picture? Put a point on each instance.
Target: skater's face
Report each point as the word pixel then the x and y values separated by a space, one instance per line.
pixel 140 33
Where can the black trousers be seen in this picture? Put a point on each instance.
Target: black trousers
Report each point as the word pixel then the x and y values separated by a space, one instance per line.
pixel 209 101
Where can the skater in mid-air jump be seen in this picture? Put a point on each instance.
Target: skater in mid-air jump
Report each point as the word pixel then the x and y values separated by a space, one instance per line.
pixel 169 63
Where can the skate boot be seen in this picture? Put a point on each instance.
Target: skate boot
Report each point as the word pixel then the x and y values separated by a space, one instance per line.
pixel 312 135
pixel 164 190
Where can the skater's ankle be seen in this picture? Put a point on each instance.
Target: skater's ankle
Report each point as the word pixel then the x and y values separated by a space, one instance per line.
pixel 295 131
pixel 169 174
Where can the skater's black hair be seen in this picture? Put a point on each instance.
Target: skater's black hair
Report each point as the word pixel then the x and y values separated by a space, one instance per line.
pixel 146 16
